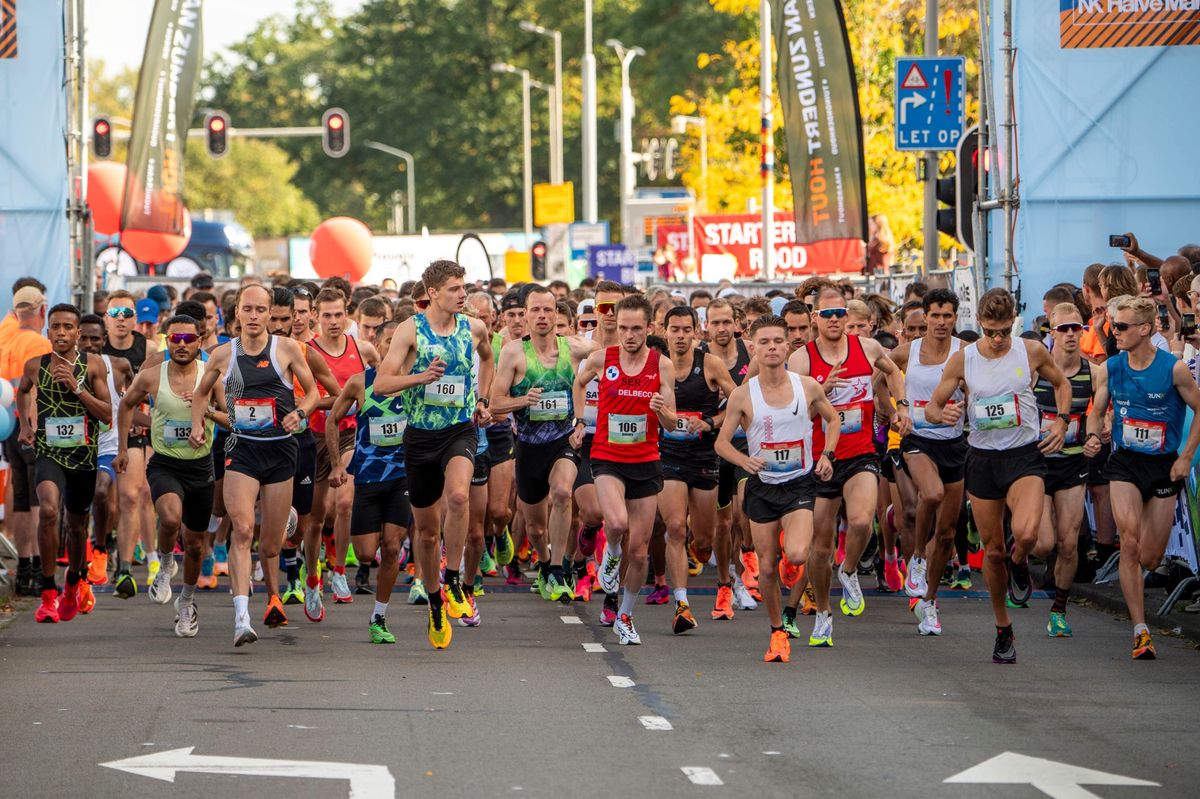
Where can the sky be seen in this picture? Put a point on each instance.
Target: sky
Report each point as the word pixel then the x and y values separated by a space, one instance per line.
pixel 117 28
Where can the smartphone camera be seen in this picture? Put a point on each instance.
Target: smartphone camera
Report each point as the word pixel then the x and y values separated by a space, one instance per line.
pixel 1163 319
pixel 1152 276
pixel 1120 242
pixel 1188 328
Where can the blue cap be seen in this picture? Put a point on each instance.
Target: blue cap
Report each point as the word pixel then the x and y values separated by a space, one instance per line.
pixel 777 304
pixel 160 295
pixel 147 311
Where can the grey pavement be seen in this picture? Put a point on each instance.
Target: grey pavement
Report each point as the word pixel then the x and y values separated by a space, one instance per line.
pixel 520 707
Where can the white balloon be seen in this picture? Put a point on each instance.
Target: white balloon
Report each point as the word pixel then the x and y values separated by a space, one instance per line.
pixel 7 395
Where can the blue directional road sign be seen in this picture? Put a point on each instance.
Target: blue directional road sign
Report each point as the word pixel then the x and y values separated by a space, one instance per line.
pixel 930 107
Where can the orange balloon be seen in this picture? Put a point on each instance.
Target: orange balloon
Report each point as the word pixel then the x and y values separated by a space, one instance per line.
pixel 155 246
pixel 341 247
pixel 106 187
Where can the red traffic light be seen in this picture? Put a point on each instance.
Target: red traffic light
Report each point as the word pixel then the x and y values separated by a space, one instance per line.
pixel 102 128
pixel 335 122
pixel 335 138
pixel 216 124
pixel 538 250
pixel 216 133
pixel 101 137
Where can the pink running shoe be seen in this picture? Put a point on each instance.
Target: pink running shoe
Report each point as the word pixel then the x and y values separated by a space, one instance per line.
pixel 585 544
pixel 512 575
pixel 892 576
pixel 659 596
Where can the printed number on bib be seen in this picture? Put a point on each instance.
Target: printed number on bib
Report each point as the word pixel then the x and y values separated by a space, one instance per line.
pixel 450 392
pixel 1141 436
pixel 176 431
pixel 254 415
pixel 784 456
pixel 387 431
pixel 851 416
pixel 552 406
pixel 919 422
pixel 66 431
pixel 1072 436
pixel 680 432
pixel 626 429
pixel 997 413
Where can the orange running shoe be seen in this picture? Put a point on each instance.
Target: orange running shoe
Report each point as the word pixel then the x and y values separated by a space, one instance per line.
pixel 274 615
pixel 525 552
pixel 750 575
pixel 220 568
pixel 97 573
pixel 780 650
pixel 87 599
pixel 808 601
pixel 208 583
pixel 789 574
pixel 723 609
pixel 1143 647
pixel 684 620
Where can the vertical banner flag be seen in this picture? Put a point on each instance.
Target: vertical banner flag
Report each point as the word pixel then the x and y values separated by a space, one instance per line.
pixel 819 95
pixel 162 113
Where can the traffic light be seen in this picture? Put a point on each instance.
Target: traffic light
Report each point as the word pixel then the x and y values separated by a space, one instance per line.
pixel 958 191
pixel 537 260
pixel 336 135
pixel 101 137
pixel 216 133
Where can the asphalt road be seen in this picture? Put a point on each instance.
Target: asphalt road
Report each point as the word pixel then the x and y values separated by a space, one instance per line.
pixel 535 704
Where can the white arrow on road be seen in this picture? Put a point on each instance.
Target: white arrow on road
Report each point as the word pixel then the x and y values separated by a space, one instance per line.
pixel 1057 780
pixel 914 100
pixel 366 782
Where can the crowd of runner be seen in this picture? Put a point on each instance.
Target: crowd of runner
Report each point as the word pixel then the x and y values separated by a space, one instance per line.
pixel 609 438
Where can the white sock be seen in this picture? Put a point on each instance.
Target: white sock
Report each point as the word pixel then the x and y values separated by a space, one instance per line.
pixel 153 556
pixel 1140 628
pixel 680 594
pixel 189 593
pixel 628 598
pixel 380 608
pixel 241 607
pixel 213 523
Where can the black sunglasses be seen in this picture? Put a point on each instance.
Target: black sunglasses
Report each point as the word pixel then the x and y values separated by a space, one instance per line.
pixel 1123 326
pixel 1068 327
pixel 1003 332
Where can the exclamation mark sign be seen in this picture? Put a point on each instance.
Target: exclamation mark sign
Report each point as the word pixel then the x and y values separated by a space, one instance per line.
pixel 948 75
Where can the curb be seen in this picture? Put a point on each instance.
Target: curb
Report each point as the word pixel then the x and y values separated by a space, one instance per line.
pixel 1108 596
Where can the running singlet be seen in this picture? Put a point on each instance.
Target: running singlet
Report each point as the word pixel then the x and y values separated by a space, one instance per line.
pixel 854 402
pixel 552 417
pixel 591 404
pixel 920 380
pixel 625 431
pixel 136 354
pixel 378 451
pixel 451 399
pixel 171 420
pixel 693 399
pixel 1001 409
pixel 1081 400
pixel 257 394
pixel 782 437
pixel 741 366
pixel 108 432
pixel 1142 424
pixel 65 428
pixel 343 366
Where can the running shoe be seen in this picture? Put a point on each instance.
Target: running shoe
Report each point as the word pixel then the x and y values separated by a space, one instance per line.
pixel 694 567
pixel 780 650
pixel 47 612
pixel 440 631
pixel 915 585
pixel 221 559
pixel 583 588
pixel 659 596
pixel 126 586
pixel 243 633
pixel 294 595
pixel 892 576
pixel 742 599
pixel 504 548
pixel 927 618
pixel 789 573
pixel 789 623
pixel 608 612
pixel 351 558
pixel 487 564
pixel 208 583
pixel 948 574
pixel 853 603
pixel 87 599
pixel 512 574
pixel 380 634
pixel 723 607
pixel 139 554
pixel 97 573
pixel 477 586
pixel 153 568
pixel 525 553
pixel 160 586
pixel 1005 650
pixel 1057 627
pixel 750 573
pixel 314 605
pixel 700 556
pixel 1020 585
pixel 341 589
pixel 68 603
pixel 962 580
pixel 540 586
pixel 558 590
pixel 274 616
pixel 808 601
pixel 585 541
pixel 257 575
pixel 456 598
pixel 840 556
pixel 1143 645
pixel 362 584
pixel 627 635
pixel 417 594
pixel 684 620
pixel 610 573
pixel 473 618
pixel 187 622
pixel 822 634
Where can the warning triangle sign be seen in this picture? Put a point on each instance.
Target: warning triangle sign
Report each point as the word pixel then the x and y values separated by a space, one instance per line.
pixel 915 79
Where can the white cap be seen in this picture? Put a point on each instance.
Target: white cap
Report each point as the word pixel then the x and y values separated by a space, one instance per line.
pixel 726 293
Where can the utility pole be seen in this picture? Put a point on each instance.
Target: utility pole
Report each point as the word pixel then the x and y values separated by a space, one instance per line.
pixel 590 213
pixel 628 169
pixel 556 101
pixel 1009 188
pixel 768 129
pixel 930 261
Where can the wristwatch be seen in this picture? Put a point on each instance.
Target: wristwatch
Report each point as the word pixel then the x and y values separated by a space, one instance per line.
pixel 484 401
pixel 300 412
pixel 578 422
pixel 830 455
pixel 1065 418
pixel 708 420
pixel 903 403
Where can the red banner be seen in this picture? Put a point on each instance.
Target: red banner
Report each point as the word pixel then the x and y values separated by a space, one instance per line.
pixel 676 236
pixel 740 236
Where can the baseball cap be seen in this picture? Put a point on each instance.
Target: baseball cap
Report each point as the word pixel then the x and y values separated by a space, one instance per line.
pixel 679 293
pixel 160 295
pixel 511 300
pixel 726 292
pixel 587 306
pixel 28 297
pixel 147 311
pixel 777 304
pixel 202 280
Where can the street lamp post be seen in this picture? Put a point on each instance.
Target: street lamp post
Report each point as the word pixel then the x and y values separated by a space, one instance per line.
pixel 628 176
pixel 526 124
pixel 556 101
pixel 410 175
pixel 679 124
pixel 590 213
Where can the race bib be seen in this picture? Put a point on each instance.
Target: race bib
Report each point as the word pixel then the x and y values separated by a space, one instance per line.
pixel 254 415
pixel 1072 437
pixel 591 407
pixel 66 431
pixel 997 413
pixel 680 431
pixel 919 422
pixel 851 416
pixel 1140 436
pixel 626 429
pixel 387 431
pixel 552 406
pixel 783 456
pixel 449 392
pixel 176 431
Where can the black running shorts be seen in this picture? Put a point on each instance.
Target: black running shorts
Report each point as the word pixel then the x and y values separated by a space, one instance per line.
pixel 640 479
pixel 76 488
pixel 427 453
pixel 764 503
pixel 534 464
pixel 268 462
pixel 190 480
pixel 991 472
pixel 1150 473
pixel 377 504
pixel 843 470
pixel 949 455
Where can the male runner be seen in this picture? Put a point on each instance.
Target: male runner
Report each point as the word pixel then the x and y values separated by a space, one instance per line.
pixel 258 372
pixel 180 475
pixel 1149 389
pixel 72 399
pixel 432 354
pixel 775 408
pixel 501 450
pixel 689 462
pixel 1005 464
pixel 634 383
pixel 370 314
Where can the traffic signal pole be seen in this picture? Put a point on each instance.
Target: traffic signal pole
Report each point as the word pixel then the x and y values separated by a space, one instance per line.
pixel 930 231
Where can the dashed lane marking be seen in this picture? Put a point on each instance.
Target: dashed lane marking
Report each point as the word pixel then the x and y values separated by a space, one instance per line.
pixel 618 681
pixel 699 775
pixel 655 723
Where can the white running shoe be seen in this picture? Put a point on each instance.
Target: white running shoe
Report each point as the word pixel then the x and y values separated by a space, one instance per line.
pixel 927 618
pixel 314 606
pixel 174 565
pixel 258 572
pixel 243 633
pixel 610 573
pixel 187 624
pixel 853 602
pixel 160 589
pixel 341 589
pixel 627 635
pixel 822 634
pixel 914 584
pixel 742 599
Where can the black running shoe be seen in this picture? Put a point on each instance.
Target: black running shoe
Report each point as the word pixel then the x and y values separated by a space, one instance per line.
pixel 1020 584
pixel 362 583
pixel 1005 650
pixel 23 586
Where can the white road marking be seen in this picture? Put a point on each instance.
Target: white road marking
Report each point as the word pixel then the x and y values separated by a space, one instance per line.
pixel 571 620
pixel 594 648
pixel 442 693
pixel 655 723
pixel 699 775
pixel 620 682
pixel 1057 780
